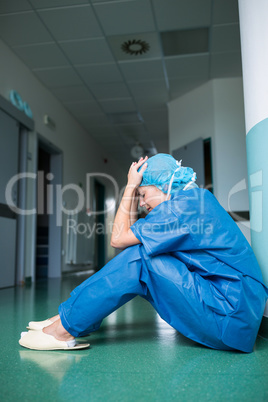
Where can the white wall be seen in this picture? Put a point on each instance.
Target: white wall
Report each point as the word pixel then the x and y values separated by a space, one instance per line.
pixel 191 116
pixel 216 110
pixel 230 163
pixel 81 154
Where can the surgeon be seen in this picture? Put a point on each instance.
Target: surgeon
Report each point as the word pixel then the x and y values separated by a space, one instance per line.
pixel 187 258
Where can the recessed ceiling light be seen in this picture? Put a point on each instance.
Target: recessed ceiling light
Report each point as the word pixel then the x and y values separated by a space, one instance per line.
pixel 135 47
pixel 137 151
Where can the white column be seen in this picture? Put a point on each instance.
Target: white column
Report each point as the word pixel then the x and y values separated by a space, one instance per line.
pixel 254 38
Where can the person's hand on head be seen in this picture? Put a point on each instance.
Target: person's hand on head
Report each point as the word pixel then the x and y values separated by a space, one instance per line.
pixel 135 177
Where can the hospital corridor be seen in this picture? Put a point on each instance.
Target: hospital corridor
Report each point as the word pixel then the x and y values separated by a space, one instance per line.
pixel 133 200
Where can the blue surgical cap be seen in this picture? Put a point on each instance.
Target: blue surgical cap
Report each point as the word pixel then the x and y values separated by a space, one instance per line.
pixel 163 169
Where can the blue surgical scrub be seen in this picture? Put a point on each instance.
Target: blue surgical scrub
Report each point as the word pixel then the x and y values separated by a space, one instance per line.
pixel 193 265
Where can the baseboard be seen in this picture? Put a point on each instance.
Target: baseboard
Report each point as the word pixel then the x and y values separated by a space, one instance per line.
pixel 263 331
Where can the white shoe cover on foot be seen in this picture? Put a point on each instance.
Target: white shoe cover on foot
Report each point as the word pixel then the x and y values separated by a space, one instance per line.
pixel 38 325
pixel 38 340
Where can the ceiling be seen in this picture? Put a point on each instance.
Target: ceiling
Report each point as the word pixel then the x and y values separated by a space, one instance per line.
pixel 74 48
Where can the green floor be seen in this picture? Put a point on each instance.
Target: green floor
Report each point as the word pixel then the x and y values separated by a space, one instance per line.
pixel 135 356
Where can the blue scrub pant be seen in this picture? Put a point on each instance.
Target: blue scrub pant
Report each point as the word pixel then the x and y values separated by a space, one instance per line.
pixel 171 291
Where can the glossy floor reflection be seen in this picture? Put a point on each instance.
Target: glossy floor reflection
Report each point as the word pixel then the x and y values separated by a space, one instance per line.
pixel 135 356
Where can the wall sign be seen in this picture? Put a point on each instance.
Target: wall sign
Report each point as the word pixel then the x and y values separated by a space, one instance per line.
pixel 20 104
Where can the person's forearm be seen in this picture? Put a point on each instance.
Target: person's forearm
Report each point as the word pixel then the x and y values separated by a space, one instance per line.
pixel 122 236
pixel 133 215
pixel 123 219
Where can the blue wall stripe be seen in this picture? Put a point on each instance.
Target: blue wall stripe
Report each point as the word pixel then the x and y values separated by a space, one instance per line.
pixel 257 159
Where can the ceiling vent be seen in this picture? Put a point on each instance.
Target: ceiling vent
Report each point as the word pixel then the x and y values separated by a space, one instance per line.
pixel 187 41
pixel 135 47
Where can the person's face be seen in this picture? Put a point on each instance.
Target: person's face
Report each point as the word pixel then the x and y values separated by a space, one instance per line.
pixel 150 197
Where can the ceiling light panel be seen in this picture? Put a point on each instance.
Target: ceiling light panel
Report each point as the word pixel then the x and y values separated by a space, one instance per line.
pixel 13 29
pixel 71 22
pixel 118 18
pixel 183 14
pixel 187 41
pixel 87 51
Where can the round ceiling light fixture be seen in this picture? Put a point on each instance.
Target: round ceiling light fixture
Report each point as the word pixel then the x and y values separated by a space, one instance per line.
pixel 135 47
pixel 137 151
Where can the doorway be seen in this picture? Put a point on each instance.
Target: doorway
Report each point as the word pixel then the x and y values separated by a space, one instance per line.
pixel 208 165
pixel 42 224
pixel 99 192
pixel 48 232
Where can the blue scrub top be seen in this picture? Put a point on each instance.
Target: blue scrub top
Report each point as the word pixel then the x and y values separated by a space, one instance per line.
pixel 193 232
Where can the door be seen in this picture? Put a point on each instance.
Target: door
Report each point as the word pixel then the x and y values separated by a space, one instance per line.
pixel 7 251
pixel 9 147
pixel 49 229
pixel 9 154
pixel 42 229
